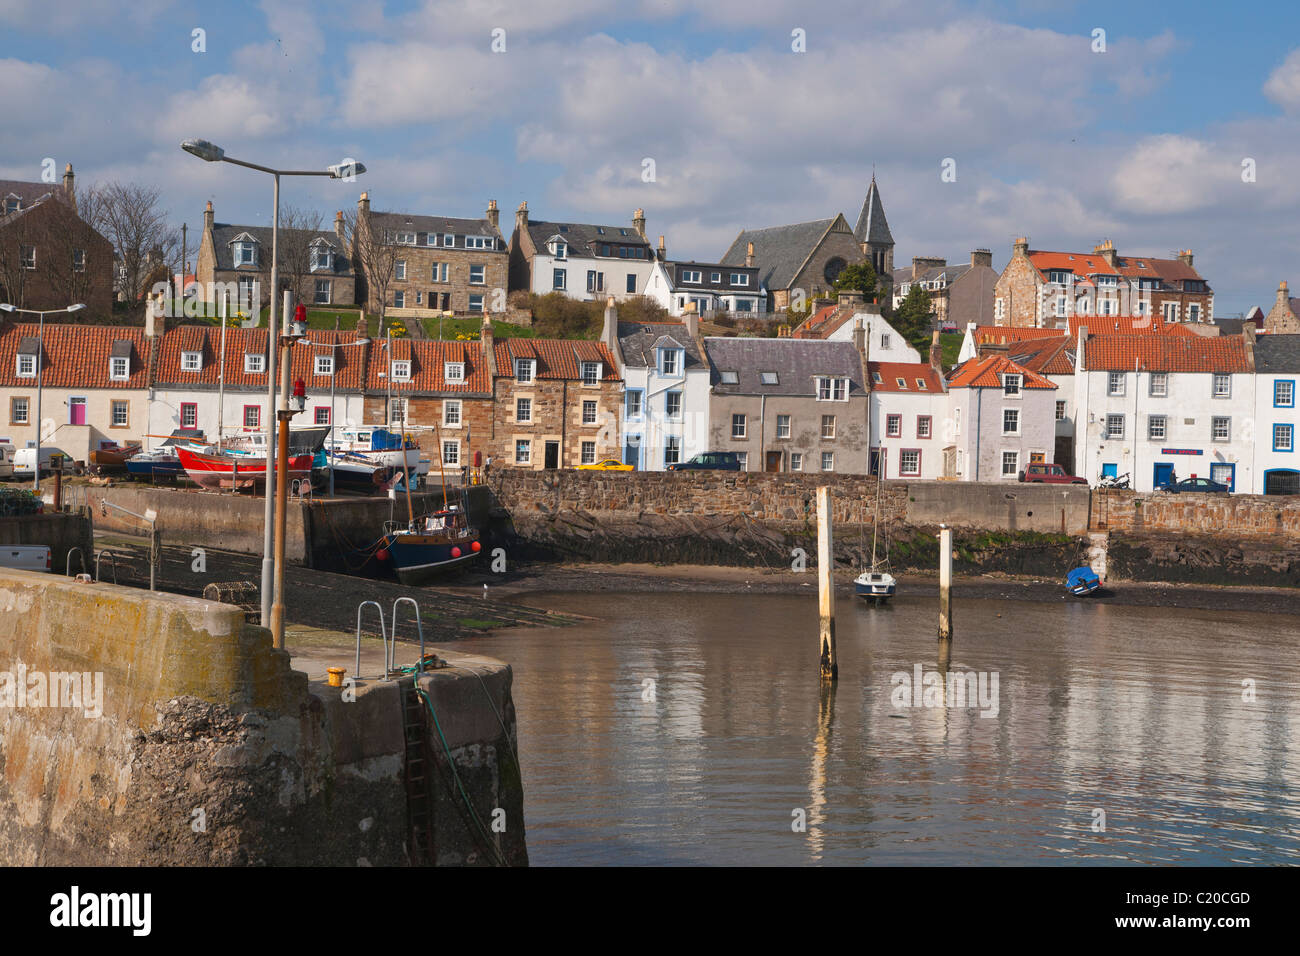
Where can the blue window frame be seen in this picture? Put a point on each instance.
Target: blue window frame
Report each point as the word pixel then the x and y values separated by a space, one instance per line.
pixel 1283 437
pixel 1217 470
pixel 634 404
pixel 1284 393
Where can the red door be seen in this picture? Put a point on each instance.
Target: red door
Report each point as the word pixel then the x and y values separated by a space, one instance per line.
pixel 77 411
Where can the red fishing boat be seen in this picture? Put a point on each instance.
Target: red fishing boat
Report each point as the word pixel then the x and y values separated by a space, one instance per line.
pixel 235 471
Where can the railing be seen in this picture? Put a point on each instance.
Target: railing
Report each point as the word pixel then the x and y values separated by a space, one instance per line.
pixel 383 633
pixel 112 557
pixel 419 627
pixel 67 566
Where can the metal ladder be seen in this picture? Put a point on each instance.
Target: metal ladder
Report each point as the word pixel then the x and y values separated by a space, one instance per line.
pixel 418 769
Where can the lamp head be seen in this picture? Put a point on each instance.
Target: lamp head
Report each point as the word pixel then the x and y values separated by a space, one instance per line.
pixel 348 169
pixel 208 152
pixel 76 308
pixel 7 307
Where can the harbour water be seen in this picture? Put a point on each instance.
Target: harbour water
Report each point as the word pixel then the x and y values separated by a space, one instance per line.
pixel 693 728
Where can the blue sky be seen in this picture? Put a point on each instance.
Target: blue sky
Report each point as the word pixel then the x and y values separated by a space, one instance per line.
pixel 1142 144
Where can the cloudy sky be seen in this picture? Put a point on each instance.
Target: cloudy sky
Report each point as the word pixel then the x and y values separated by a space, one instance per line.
pixel 1050 137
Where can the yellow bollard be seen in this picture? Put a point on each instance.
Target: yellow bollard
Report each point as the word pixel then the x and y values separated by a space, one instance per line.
pixel 336 676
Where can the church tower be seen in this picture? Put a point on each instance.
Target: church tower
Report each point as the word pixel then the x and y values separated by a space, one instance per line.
pixel 872 232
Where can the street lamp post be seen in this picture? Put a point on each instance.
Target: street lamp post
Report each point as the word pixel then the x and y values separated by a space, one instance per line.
pixel 334 374
pixel 271 578
pixel 40 372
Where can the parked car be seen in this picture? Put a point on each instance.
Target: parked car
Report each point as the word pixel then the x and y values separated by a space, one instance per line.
pixel 716 460
pixel 7 453
pixel 52 460
pixel 609 464
pixel 1042 473
pixel 26 557
pixel 1197 484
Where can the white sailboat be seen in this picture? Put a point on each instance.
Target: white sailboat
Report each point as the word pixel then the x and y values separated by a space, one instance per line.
pixel 876 584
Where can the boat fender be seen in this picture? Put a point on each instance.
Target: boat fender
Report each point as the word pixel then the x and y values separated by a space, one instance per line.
pixel 382 554
pixel 476 547
pixel 455 552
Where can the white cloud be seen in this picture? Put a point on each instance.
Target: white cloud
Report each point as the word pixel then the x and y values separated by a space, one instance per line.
pixel 1283 84
pixel 1172 174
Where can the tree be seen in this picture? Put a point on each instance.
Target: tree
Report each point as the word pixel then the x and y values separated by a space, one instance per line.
pixel 859 277
pixel 298 227
pixel 130 217
pixel 374 258
pixel 913 318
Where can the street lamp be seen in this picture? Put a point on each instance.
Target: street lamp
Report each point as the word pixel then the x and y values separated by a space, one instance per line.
pixel 276 484
pixel 40 372
pixel 333 374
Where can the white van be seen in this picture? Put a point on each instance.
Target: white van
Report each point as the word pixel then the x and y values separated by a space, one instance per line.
pixel 26 557
pixel 6 461
pixel 52 460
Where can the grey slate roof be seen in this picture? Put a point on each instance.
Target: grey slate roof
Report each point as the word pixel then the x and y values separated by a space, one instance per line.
pixel 586 236
pixel 796 362
pixel 951 272
pixel 637 342
pixel 440 225
pixel 223 233
pixel 1277 353
pixel 29 193
pixel 872 226
pixel 778 250
pixel 706 283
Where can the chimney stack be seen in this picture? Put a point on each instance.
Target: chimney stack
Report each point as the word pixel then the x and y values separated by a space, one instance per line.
pixel 936 352
pixel 69 189
pixel 638 222
pixel 339 228
pixel 749 255
pixel 609 329
pixel 521 216
pixel 361 326
pixel 921 263
pixel 494 214
pixel 981 257
pixel 1020 247
pixel 691 319
pixel 1185 257
pixel 207 217
pixel 488 345
pixel 1106 249
pixel 1282 295
pixel 663 252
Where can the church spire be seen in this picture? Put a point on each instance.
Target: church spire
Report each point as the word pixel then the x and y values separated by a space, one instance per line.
pixel 872 228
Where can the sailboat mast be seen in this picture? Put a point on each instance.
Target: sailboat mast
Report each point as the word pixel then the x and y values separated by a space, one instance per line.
pixel 875 519
pixel 221 374
pixel 442 468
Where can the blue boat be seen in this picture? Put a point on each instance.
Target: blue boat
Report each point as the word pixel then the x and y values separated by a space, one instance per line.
pixel 1082 581
pixel 432 545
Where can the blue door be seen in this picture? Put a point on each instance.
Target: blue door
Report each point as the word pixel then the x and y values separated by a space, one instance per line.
pixel 1111 470
pixel 1163 472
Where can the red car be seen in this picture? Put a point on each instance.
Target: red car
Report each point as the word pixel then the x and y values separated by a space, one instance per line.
pixel 1050 475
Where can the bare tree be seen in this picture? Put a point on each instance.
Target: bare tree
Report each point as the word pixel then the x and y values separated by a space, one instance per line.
pixel 375 256
pixel 298 227
pixel 17 238
pixel 71 267
pixel 130 217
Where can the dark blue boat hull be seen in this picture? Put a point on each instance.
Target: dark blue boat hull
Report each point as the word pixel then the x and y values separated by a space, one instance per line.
pixel 420 561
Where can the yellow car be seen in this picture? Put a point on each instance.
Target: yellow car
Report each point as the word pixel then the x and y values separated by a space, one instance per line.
pixel 609 464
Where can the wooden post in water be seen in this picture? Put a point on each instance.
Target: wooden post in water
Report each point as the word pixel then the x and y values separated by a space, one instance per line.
pixel 830 667
pixel 945 583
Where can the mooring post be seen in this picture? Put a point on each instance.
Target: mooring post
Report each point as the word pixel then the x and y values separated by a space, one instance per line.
pixel 830 667
pixel 945 583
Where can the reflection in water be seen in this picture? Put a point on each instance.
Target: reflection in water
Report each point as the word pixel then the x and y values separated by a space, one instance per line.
pixel 1134 711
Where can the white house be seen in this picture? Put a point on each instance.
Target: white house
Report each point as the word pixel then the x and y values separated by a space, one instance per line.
pixel 665 417
pixel 840 323
pixel 1002 419
pixel 1277 371
pixel 585 262
pixel 707 287
pixel 1156 406
pixel 909 409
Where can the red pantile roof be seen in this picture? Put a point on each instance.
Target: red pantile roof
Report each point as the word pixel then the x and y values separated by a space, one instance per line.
pixel 349 360
pixel 429 358
pixel 1004 334
pixel 1132 267
pixel 207 341
pixel 75 356
pixel 1165 353
pixel 1126 324
pixel 987 372
pixel 812 327
pixel 556 358
pixel 909 372
pixel 1045 356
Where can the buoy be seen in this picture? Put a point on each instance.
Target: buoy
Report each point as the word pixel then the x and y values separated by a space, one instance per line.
pixel 476 547
pixel 455 552
pixel 382 554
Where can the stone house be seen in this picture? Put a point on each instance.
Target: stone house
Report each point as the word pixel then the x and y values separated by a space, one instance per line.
pixel 50 257
pixel 801 259
pixel 1152 405
pixel 959 292
pixel 1284 317
pixel 1043 289
pixel 1277 370
pixel 664 415
pixel 441 392
pixel 94 385
pixel 556 403
pixel 583 261
pixel 789 404
pixel 1001 419
pixel 315 263
pixel 441 266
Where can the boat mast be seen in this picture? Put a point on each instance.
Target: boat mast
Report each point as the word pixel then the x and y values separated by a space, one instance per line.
pixel 221 374
pixel 442 470
pixel 875 519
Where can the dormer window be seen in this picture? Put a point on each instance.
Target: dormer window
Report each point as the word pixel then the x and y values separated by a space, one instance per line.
pixel 478 242
pixel 560 249
pixel 401 370
pixel 119 368
pixel 525 370
pixel 322 258
pixel 590 373
pixel 245 253
pixel 453 371
pixel 448 240
pixel 26 365
pixel 254 363
pixel 324 364
pixel 1011 384
pixel 191 361
pixel 739 278
pixel 670 362
pixel 690 275
pixel 12 204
